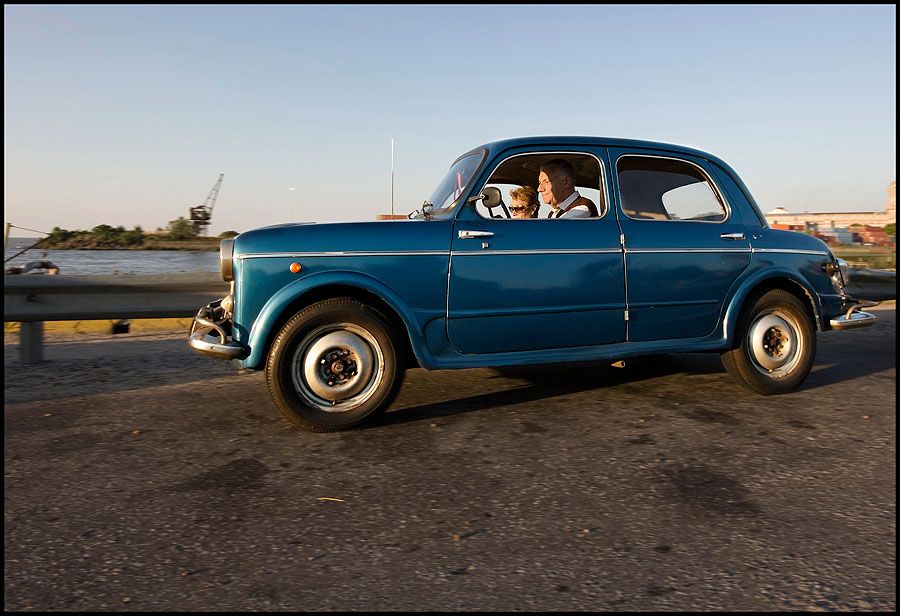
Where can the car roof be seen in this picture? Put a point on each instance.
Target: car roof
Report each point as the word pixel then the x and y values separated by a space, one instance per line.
pixel 502 144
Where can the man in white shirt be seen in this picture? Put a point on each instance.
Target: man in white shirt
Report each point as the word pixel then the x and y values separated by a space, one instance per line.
pixel 556 183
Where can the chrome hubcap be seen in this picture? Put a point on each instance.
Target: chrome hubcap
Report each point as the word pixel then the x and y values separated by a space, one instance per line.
pixel 774 344
pixel 337 367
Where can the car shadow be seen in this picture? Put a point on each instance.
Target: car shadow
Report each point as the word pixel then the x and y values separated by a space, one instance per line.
pixel 831 368
pixel 841 357
pixel 553 380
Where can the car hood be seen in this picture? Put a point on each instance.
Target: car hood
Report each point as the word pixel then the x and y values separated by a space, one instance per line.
pixel 372 236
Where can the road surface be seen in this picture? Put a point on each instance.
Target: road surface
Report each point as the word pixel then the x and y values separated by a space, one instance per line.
pixel 140 476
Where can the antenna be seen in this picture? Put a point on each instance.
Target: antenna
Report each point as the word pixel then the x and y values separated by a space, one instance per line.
pixel 392 177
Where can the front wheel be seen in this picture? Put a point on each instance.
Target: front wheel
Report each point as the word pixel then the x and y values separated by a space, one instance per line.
pixel 776 345
pixel 334 366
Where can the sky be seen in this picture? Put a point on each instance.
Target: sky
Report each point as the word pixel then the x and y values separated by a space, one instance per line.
pixel 127 114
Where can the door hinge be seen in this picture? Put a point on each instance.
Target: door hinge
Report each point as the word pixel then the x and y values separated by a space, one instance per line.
pixel 626 315
pixel 622 239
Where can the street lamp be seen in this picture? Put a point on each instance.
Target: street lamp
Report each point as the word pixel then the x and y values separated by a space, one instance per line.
pixel 291 205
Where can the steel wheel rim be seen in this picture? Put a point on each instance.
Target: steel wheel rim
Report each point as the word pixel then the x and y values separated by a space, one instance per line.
pixel 337 367
pixel 775 341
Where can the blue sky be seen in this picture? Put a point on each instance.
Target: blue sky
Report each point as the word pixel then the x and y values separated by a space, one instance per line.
pixel 126 115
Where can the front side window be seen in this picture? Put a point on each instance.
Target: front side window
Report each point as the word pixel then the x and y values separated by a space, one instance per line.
pixel 667 189
pixel 523 195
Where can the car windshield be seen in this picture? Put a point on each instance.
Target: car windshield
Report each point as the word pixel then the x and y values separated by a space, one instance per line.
pixel 456 181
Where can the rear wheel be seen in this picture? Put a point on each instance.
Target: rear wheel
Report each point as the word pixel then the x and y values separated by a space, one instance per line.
pixel 776 344
pixel 334 366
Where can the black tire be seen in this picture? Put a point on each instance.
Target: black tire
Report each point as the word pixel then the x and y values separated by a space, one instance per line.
pixel 334 366
pixel 775 344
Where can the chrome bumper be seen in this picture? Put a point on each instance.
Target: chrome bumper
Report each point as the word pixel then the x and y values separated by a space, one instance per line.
pixel 853 319
pixel 209 336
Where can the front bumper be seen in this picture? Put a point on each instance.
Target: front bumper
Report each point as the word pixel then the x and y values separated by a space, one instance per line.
pixel 211 334
pixel 854 318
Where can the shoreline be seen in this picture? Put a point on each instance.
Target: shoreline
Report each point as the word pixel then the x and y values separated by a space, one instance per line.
pixel 150 242
pixel 211 245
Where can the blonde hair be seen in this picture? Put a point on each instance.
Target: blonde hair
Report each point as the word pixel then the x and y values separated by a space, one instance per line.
pixel 526 194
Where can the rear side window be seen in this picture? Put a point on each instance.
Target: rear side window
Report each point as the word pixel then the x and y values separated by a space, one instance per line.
pixel 667 189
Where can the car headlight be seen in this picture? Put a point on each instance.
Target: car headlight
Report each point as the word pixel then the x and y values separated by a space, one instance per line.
pixel 226 264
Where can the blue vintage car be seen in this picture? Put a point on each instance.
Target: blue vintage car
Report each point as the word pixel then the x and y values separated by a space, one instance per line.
pixel 637 248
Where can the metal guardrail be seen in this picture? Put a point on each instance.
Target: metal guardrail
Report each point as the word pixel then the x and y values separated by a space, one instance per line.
pixel 875 285
pixel 32 299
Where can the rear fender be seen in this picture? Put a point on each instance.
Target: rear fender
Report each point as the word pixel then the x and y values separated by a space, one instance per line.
pixel 783 278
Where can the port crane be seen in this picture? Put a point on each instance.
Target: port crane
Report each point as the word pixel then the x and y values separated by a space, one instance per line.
pixel 201 216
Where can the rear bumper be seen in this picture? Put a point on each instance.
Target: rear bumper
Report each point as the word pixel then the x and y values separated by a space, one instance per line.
pixel 854 318
pixel 211 334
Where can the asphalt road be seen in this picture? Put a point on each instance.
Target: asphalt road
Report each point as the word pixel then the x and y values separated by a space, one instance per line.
pixel 140 476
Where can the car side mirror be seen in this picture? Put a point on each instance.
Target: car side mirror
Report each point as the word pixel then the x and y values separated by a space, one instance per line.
pixel 491 197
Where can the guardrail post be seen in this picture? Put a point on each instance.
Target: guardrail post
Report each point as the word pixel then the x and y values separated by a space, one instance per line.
pixel 31 342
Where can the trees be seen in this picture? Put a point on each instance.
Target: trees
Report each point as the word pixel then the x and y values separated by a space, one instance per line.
pixel 179 229
pixel 109 237
pixel 135 237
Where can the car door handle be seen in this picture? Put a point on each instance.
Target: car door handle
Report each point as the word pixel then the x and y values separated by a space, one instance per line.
pixel 732 236
pixel 470 235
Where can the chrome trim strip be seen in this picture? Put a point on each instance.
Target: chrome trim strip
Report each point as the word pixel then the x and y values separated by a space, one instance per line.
pixel 791 251
pixel 347 253
pixel 550 251
pixel 655 250
pixel 432 253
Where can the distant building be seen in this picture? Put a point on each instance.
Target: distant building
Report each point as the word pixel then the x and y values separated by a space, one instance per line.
pixel 813 221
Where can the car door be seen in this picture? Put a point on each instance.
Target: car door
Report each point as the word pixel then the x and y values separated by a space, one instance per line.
pixel 528 285
pixel 684 245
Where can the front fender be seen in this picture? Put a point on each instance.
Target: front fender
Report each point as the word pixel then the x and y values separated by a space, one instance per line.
pixel 749 284
pixel 263 329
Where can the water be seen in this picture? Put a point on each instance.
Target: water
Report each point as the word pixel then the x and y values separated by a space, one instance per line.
pixel 95 262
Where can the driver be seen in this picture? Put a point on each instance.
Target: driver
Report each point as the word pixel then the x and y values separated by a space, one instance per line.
pixel 556 183
pixel 524 202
